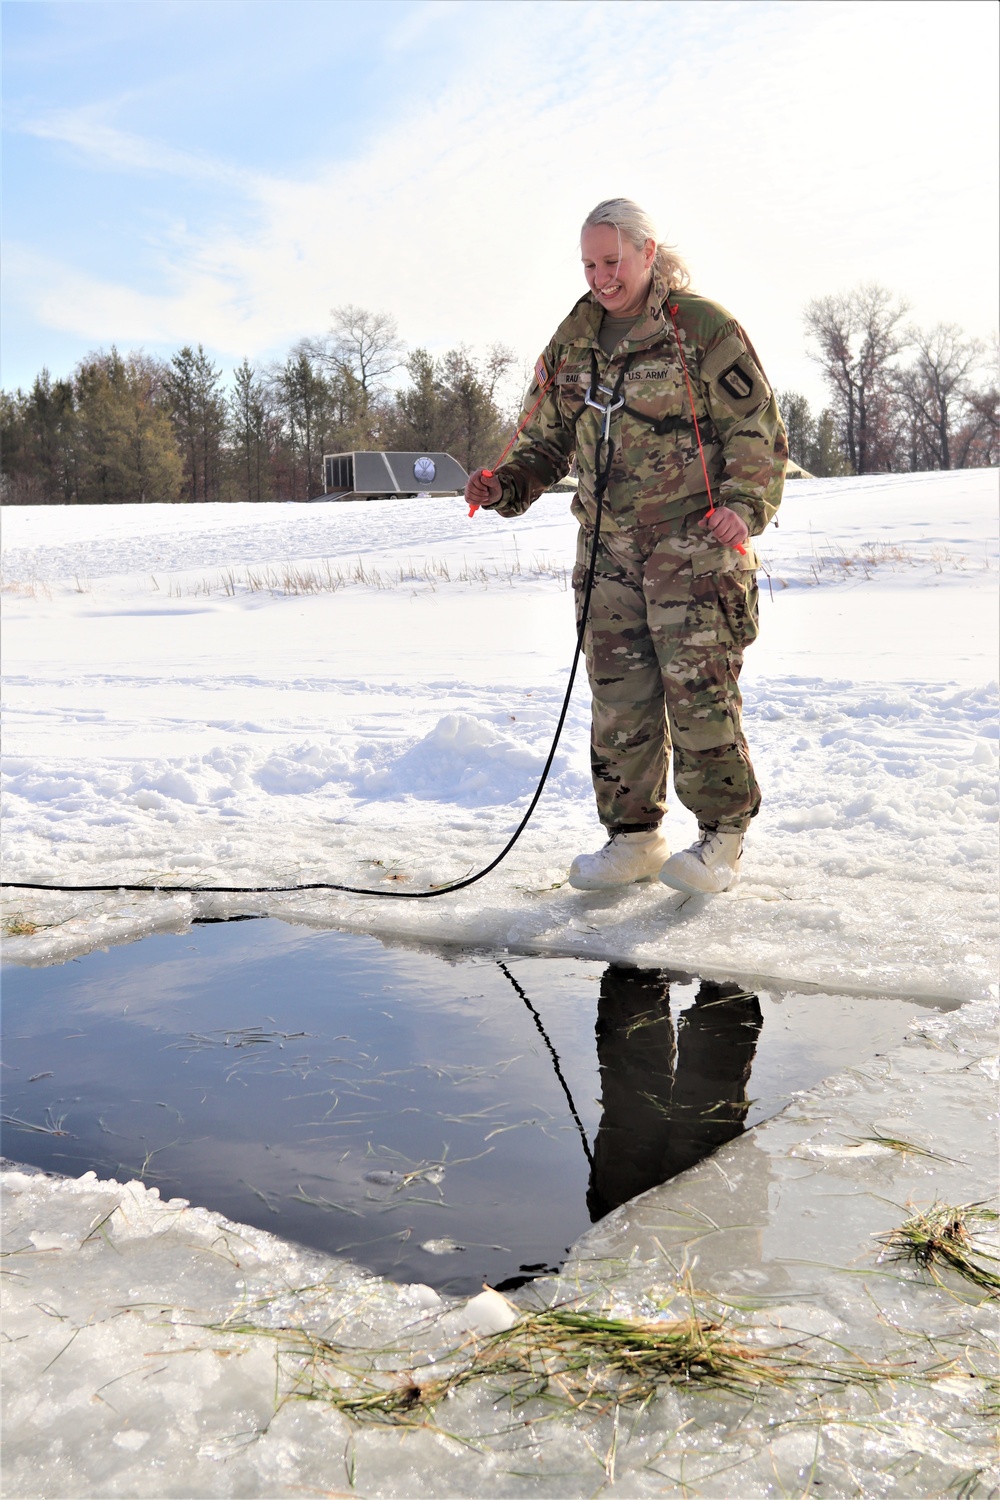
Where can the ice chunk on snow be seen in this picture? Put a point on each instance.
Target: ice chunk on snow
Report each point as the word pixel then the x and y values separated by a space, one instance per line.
pixel 489 1312
pixel 132 1440
pixel 43 1239
pixel 421 1295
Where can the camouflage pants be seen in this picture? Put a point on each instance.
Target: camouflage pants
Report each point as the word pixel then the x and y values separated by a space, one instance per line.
pixel 670 616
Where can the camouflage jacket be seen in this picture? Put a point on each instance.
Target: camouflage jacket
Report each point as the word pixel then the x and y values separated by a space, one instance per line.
pixel 656 476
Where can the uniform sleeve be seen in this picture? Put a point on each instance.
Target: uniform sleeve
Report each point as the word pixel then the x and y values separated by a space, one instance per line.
pixel 544 451
pixel 745 414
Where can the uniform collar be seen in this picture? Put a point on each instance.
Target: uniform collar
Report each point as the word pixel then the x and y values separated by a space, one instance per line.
pixel 653 321
pixel 583 324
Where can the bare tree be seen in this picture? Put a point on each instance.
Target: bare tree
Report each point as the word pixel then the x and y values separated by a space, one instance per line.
pixel 365 346
pixel 859 338
pixel 935 390
pixel 977 441
pixel 360 353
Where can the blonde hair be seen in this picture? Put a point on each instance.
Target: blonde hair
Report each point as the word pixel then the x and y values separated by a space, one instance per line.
pixel 635 225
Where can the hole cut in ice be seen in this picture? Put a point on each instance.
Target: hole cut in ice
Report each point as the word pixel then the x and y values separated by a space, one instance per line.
pixel 441 1117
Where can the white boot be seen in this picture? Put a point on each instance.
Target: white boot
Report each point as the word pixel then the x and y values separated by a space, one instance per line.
pixel 709 866
pixel 624 858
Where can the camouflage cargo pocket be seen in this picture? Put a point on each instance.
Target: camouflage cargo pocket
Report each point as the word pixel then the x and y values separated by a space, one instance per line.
pixel 735 585
pixel 738 602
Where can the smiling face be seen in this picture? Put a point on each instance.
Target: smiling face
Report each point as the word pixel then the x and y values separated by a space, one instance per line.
pixel 617 273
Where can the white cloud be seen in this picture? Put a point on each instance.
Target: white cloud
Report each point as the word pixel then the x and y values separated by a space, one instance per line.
pixel 86 130
pixel 790 150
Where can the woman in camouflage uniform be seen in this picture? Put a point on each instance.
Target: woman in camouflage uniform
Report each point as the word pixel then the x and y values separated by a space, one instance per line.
pixel 674 601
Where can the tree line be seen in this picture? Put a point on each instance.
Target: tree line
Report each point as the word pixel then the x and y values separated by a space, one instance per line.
pixel 134 428
pixel 129 427
pixel 901 398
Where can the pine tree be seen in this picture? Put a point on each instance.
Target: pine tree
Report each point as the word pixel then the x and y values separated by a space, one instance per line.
pixel 38 439
pixel 827 459
pixel 303 396
pixel 420 418
pixel 127 451
pixel 799 425
pixel 247 429
pixel 813 442
pixel 470 392
pixel 199 416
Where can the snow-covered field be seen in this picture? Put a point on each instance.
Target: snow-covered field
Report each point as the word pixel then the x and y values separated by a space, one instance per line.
pixel 165 723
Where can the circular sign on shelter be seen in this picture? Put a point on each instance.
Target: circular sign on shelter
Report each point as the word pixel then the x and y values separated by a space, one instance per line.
pixel 424 470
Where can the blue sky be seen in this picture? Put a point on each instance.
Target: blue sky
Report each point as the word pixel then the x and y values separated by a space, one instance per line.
pixel 228 171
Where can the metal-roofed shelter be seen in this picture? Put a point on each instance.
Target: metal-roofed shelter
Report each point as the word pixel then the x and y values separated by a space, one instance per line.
pixel 382 476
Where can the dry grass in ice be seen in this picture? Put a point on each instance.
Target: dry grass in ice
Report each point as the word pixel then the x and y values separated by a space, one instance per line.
pixel 18 925
pixel 576 1359
pixel 946 1236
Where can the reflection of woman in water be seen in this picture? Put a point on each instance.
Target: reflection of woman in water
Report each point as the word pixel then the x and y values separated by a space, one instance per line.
pixel 668 1099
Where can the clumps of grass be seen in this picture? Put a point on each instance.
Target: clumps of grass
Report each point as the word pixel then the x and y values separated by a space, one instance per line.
pixel 831 561
pixel 18 925
pixel 326 578
pixel 945 1236
pixel 24 588
pixel 897 1143
pixel 579 1360
pixel 837 563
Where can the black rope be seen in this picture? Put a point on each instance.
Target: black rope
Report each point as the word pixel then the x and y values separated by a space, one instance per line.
pixel 555 1061
pixel 602 475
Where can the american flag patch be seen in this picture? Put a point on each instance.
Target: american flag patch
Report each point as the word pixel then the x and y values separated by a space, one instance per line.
pixel 541 372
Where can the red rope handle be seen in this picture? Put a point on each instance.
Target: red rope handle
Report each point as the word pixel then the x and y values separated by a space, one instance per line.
pixel 694 417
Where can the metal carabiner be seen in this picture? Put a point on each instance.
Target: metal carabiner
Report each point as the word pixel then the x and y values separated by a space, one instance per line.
pixel 606 408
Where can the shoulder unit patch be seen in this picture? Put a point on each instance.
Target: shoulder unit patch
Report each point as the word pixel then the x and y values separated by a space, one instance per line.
pixel 736 382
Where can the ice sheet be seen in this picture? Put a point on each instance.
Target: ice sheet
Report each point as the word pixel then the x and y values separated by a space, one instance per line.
pixel 145 1354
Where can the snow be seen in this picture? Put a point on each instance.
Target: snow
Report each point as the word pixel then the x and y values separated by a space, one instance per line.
pixel 166 723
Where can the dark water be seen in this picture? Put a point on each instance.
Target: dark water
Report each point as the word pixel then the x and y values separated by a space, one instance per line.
pixel 371 1101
